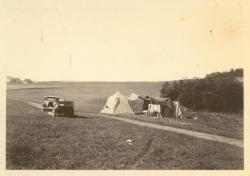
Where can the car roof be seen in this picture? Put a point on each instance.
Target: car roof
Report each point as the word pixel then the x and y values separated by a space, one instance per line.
pixel 67 103
pixel 51 97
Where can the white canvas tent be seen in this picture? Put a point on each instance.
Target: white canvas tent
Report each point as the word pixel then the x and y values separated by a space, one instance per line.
pixel 133 97
pixel 117 104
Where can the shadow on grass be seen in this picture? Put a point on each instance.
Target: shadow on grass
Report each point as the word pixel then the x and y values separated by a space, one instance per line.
pixel 75 117
pixel 81 117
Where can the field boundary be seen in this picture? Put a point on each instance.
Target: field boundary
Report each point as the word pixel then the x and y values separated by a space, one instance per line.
pixel 206 136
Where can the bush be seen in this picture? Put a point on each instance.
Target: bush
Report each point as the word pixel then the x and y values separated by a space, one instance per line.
pixel 13 80
pixel 27 81
pixel 219 92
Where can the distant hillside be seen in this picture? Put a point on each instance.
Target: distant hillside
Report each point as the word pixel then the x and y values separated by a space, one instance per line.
pixel 100 89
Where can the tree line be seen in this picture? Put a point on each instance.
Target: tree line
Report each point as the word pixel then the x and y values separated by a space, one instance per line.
pixel 16 80
pixel 218 92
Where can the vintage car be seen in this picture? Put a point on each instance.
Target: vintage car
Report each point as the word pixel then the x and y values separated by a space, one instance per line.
pixel 49 102
pixel 63 108
pixel 58 107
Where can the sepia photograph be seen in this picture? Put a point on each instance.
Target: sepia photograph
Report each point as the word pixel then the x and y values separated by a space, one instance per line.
pixel 124 85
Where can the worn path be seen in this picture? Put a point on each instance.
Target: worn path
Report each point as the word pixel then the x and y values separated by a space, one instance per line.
pixel 231 141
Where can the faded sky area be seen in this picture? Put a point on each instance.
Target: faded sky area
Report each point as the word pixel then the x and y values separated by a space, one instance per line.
pixel 117 40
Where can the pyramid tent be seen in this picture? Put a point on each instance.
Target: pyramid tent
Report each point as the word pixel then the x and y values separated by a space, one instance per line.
pixel 137 103
pixel 117 104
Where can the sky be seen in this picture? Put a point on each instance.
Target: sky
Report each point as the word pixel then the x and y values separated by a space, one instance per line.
pixel 117 40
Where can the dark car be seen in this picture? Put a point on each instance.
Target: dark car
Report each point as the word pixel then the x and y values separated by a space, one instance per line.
pixel 63 108
pixel 58 107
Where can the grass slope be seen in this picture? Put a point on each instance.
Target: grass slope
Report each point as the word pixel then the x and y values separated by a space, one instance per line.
pixel 37 141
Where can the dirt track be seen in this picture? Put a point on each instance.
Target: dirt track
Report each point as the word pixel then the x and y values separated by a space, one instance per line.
pixel 231 141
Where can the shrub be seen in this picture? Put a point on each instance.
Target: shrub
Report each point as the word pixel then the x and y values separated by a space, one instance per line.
pixel 219 92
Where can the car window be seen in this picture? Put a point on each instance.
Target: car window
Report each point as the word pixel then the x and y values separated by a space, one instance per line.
pixel 50 104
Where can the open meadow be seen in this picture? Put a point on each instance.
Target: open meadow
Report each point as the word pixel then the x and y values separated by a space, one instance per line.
pixel 88 96
pixel 37 141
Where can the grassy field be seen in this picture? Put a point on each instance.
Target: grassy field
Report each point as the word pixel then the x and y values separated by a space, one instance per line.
pixel 91 98
pixel 37 141
pixel 88 97
pixel 222 124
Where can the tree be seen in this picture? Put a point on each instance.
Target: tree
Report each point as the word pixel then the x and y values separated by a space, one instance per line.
pixel 27 81
pixel 13 80
pixel 216 92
